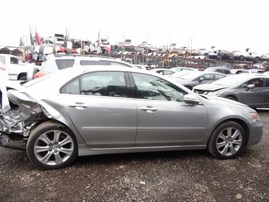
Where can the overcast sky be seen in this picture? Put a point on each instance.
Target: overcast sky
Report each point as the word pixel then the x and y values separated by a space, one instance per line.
pixel 226 24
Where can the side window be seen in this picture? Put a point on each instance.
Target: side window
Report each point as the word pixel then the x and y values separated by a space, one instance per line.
pixel 209 77
pixel 64 63
pixel 14 60
pixel 218 76
pixel 206 77
pixel 104 84
pixel 72 87
pixel 257 82
pixel 154 88
pixel 3 60
pixel 98 84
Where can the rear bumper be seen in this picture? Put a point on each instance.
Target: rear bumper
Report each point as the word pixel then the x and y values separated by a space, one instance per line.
pixel 13 141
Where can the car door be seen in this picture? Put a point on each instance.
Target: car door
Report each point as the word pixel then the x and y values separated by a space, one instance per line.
pixel 253 97
pixel 101 109
pixel 266 92
pixel 164 119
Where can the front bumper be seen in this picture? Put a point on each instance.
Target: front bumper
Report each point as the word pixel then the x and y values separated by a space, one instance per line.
pixel 255 133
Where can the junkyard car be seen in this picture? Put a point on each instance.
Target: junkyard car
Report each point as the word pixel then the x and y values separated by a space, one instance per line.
pixel 15 70
pixel 100 110
pixel 58 62
pixel 197 77
pixel 250 89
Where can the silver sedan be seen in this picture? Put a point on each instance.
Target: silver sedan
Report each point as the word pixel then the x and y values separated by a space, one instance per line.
pixel 100 110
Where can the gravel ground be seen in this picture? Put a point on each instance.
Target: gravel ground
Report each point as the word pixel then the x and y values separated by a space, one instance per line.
pixel 161 176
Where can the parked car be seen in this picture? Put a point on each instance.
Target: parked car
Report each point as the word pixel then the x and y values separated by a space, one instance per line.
pixel 239 71
pixel 181 73
pixel 14 69
pixel 247 55
pixel 59 62
pixel 220 54
pixel 223 70
pixel 253 56
pixel 239 55
pixel 197 77
pixel 102 110
pixel 178 69
pixel 265 57
pixel 225 55
pixel 163 71
pixel 259 71
pixel 266 73
pixel 250 89
pixel 3 72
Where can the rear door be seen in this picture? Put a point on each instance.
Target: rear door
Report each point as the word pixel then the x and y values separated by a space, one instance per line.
pixel 102 110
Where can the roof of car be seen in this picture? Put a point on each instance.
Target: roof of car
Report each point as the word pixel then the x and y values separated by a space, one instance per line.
pixel 71 72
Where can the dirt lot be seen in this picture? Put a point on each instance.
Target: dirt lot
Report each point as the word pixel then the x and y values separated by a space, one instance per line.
pixel 164 176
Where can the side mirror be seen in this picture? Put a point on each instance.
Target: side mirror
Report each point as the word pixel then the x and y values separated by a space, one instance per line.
pixel 201 79
pixel 251 86
pixel 191 99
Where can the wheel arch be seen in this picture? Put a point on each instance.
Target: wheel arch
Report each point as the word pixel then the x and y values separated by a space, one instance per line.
pixel 239 121
pixel 231 96
pixel 60 124
pixel 22 75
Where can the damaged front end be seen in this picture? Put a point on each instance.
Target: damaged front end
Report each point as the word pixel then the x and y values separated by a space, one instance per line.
pixel 15 124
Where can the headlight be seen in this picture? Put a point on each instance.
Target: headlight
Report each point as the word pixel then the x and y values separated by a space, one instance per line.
pixel 254 116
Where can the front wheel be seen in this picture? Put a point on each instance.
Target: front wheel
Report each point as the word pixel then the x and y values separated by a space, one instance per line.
pixel 51 145
pixel 227 140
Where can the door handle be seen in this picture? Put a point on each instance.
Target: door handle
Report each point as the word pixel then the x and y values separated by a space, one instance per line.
pixel 79 105
pixel 148 109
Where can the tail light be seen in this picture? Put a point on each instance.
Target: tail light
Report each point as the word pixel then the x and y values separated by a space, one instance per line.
pixel 2 68
pixel 40 74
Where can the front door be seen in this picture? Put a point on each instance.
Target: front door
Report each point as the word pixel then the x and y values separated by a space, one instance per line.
pixel 164 119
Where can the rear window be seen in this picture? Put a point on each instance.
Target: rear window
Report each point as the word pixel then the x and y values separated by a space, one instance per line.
pixel 14 60
pixel 3 59
pixel 62 64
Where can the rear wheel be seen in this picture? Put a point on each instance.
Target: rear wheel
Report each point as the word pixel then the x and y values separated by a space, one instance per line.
pixel 51 146
pixel 227 140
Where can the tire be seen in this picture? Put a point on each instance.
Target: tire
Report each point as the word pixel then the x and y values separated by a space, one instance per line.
pixel 257 59
pixel 227 140
pixel 54 141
